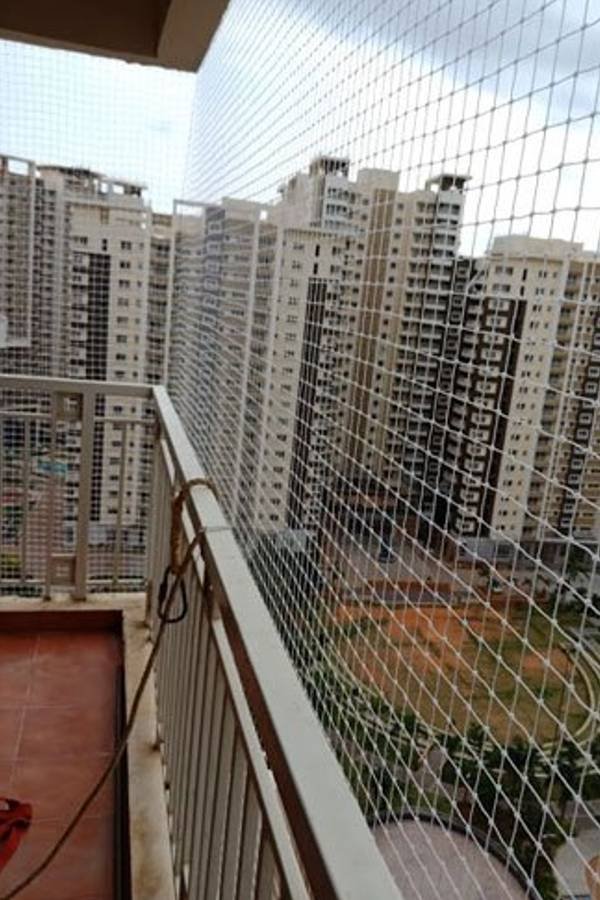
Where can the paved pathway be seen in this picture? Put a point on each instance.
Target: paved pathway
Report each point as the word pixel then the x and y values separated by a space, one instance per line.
pixel 570 862
pixel 429 861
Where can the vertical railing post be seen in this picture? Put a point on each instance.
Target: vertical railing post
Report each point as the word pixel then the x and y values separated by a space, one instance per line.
pixel 119 529
pixel 84 505
pixel 155 519
pixel 1 494
pixel 51 497
pixel 25 502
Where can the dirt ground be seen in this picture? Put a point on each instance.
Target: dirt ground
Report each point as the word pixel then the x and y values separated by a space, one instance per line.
pixel 446 662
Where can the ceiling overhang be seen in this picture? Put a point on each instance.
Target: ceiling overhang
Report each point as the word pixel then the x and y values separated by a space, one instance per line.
pixel 171 33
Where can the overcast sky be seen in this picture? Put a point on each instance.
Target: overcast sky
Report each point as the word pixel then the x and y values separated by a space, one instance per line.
pixel 503 90
pixel 506 91
pixel 131 121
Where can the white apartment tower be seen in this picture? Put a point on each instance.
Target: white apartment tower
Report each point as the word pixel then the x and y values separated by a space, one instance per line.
pixel 77 305
pixel 297 316
pixel 394 380
pixel 319 327
pixel 524 428
pixel 215 252
pixel 288 444
pixel 104 319
pixel 159 286
pixel 32 254
pixel 186 301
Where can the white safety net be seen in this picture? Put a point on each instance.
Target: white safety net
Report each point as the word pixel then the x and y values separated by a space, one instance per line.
pixel 390 294
pixel 91 155
pixel 375 299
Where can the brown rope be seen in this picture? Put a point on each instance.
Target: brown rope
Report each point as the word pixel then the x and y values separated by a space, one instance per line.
pixel 177 519
pixel 179 571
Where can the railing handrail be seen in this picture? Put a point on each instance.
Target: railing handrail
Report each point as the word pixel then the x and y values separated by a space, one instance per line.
pixel 74 386
pixel 85 414
pixel 337 850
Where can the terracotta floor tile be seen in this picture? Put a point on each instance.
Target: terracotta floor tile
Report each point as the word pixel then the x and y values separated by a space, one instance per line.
pixel 16 655
pixel 83 867
pixel 15 681
pixel 11 721
pixel 56 787
pixel 90 647
pixel 17 645
pixel 66 732
pixel 68 681
pixel 57 729
pixel 6 776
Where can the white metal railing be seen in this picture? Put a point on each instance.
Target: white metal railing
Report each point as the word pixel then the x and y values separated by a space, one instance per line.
pixel 74 462
pixel 258 805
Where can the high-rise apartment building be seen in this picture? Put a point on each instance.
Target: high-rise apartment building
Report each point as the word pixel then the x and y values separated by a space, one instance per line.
pixel 522 422
pixel 85 294
pixel 159 294
pixel 355 368
pixel 215 252
pixel 32 253
pixel 103 306
pixel 320 327
pixel 297 315
pixel 186 270
pixel 243 279
pixel 17 241
pixel 361 266
pixel 394 379
pixel 231 257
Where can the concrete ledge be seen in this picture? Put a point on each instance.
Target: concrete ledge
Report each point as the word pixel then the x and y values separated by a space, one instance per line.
pixel 149 844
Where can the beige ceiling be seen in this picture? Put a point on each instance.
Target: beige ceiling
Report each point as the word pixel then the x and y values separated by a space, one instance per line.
pixel 172 33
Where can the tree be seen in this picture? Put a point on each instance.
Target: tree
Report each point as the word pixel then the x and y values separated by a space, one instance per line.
pixel 590 787
pixel 569 764
pixel 578 563
pixel 523 819
pixel 413 732
pixel 506 787
pixel 488 790
pixel 451 746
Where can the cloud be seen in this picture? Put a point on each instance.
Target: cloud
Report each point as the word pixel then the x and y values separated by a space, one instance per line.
pixel 126 120
pixel 506 91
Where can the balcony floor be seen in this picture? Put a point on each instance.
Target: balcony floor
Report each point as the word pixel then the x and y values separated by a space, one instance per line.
pixel 58 720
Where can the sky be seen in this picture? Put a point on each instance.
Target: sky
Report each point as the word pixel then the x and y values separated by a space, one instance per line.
pixel 506 91
pixel 125 120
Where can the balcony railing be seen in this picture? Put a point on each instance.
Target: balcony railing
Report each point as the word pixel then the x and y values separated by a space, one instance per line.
pixel 74 466
pixel 258 807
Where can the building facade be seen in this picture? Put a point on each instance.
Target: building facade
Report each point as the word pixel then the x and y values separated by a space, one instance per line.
pixel 85 293
pixel 320 331
pixel 523 433
pixel 352 366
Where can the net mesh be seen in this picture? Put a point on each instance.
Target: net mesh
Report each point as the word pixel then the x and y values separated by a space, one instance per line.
pixel 395 386
pixel 380 284
pixel 85 252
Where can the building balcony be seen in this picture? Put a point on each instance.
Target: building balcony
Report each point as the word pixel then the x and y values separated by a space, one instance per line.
pixel 228 787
